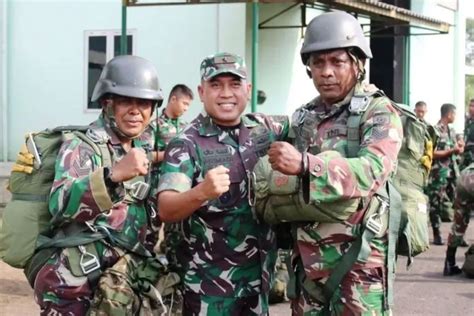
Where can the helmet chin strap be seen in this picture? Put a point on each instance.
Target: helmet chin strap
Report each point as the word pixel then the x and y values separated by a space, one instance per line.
pixel 359 63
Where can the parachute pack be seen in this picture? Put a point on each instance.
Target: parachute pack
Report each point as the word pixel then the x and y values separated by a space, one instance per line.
pixel 414 163
pixel 26 217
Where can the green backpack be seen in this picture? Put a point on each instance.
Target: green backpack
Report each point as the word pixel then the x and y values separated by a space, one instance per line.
pixel 26 218
pixel 414 164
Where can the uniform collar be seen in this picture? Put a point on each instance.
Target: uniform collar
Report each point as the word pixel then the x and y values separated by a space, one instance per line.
pixel 209 128
pixel 104 132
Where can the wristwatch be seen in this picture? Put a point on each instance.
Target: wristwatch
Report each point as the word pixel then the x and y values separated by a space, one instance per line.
pixel 108 179
pixel 304 164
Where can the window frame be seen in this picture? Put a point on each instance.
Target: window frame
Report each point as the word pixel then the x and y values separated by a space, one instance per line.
pixel 109 54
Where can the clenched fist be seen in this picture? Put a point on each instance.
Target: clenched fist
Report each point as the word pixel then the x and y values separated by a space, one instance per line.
pixel 285 158
pixel 216 182
pixel 134 163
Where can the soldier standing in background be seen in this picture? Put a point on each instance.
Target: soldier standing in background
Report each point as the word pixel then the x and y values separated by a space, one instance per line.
pixel 444 172
pixel 468 156
pixel 420 110
pixel 464 204
pixel 169 123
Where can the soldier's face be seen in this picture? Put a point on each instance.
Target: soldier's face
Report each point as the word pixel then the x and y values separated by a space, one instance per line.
pixel 451 117
pixel 420 111
pixel 334 74
pixel 225 98
pixel 132 115
pixel 179 104
pixel 471 109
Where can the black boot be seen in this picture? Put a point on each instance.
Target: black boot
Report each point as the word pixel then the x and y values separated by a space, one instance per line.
pixel 450 267
pixel 437 239
pixel 464 243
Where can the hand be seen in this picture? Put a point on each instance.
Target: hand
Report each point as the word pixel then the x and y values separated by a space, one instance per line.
pixel 216 182
pixel 285 158
pixel 135 163
pixel 458 149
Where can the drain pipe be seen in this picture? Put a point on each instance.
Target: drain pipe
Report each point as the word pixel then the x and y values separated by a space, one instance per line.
pixel 459 62
pixel 255 18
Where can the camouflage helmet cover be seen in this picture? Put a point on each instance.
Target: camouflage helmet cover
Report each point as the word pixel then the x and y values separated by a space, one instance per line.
pixel 129 76
pixel 334 30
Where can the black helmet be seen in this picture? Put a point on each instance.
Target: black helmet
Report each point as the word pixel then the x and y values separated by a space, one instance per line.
pixel 129 76
pixel 334 30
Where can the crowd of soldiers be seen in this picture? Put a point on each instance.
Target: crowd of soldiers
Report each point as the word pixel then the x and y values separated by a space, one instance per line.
pixel 197 181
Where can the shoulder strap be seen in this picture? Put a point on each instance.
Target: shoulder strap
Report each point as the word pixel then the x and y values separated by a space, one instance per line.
pixel 357 108
pixel 360 248
pixel 97 144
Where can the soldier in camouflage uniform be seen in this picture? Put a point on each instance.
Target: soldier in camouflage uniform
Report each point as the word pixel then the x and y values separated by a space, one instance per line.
pixel 464 204
pixel 334 52
pixel 228 256
pixel 420 110
pixel 86 197
pixel 442 179
pixel 169 123
pixel 166 127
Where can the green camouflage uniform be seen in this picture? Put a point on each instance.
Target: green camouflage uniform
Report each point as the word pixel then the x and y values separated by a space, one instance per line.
pixel 79 196
pixel 165 130
pixel 464 204
pixel 468 156
pixel 322 131
pixel 442 179
pixel 227 255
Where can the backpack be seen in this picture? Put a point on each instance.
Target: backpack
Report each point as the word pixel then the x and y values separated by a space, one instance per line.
pixel 411 176
pixel 26 218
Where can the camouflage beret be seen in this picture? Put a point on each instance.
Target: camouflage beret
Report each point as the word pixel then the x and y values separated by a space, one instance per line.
pixel 221 63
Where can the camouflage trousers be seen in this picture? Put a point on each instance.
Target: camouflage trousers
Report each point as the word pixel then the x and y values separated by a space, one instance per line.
pixel 60 290
pixel 205 305
pixel 362 292
pixel 461 221
pixel 441 196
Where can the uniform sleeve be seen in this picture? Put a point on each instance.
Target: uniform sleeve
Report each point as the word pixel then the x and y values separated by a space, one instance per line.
pixel 157 129
pixel 280 126
pixel 333 177
pixel 178 167
pixel 79 192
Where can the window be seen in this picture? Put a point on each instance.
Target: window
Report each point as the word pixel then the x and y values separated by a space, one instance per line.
pixel 100 47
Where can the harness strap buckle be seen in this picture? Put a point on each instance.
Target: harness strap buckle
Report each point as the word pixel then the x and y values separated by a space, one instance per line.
pixel 252 183
pixel 374 224
pixel 88 261
pixel 139 190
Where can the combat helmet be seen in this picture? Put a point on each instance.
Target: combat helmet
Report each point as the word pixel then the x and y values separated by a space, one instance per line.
pixel 129 76
pixel 334 30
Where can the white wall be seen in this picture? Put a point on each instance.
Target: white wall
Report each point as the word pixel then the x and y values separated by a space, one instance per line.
pixel 432 67
pixel 280 72
pixel 45 49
